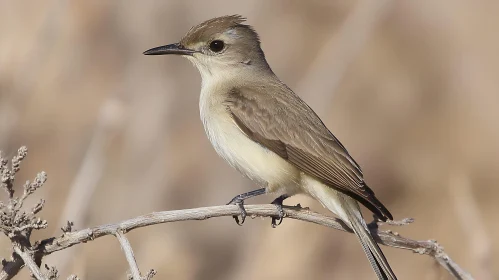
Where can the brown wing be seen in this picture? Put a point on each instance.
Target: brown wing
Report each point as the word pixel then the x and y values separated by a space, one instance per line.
pixel 284 124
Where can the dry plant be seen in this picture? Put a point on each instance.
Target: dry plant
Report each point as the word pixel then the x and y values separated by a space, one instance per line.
pixel 17 224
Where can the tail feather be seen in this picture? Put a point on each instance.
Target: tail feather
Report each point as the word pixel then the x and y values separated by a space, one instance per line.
pixel 371 249
pixel 372 260
pixel 347 208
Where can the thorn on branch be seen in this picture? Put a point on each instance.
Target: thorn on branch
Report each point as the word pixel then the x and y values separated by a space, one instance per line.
pixel 68 227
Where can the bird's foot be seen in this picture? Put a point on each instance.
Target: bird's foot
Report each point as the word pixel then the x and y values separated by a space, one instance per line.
pixel 278 203
pixel 375 223
pixel 240 203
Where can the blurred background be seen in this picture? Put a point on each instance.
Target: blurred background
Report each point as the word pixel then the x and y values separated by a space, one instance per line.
pixel 409 87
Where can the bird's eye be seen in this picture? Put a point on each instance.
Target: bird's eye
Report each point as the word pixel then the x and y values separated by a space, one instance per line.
pixel 217 46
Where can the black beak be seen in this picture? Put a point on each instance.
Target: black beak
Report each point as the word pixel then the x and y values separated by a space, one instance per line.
pixel 170 49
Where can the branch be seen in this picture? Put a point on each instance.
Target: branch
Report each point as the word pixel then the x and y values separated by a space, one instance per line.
pixel 127 248
pixel 388 238
pixel 431 248
pixel 28 260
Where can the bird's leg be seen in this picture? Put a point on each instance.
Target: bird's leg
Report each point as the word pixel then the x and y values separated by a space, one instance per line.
pixel 374 224
pixel 239 201
pixel 278 203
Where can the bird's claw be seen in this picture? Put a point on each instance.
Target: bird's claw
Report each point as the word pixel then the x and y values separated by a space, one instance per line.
pixel 278 203
pixel 277 221
pixel 374 224
pixel 240 203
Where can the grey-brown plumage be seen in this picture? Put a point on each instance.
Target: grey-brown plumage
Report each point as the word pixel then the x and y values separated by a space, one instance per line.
pixel 264 130
pixel 286 125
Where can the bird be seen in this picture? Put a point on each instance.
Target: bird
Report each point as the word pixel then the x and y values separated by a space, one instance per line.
pixel 269 134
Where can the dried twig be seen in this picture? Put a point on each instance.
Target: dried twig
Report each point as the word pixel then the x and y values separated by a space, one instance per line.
pixel 28 260
pixel 431 248
pixel 48 246
pixel 18 223
pixel 127 248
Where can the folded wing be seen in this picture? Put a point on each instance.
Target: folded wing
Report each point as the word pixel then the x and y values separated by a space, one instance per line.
pixel 284 124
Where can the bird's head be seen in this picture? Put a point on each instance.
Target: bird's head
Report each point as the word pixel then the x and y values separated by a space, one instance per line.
pixel 218 45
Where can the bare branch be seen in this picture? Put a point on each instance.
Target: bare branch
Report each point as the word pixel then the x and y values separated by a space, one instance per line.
pixel 28 260
pixel 127 248
pixel 18 224
pixel 431 248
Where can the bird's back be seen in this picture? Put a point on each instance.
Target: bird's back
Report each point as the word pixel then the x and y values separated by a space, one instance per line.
pixel 275 117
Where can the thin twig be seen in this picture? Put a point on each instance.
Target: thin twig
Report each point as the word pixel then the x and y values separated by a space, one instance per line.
pixel 28 260
pixel 127 248
pixel 387 238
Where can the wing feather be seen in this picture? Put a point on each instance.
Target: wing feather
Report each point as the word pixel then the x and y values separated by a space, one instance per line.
pixel 284 124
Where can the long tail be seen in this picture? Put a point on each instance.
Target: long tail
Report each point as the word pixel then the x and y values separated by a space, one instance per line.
pixel 371 249
pixel 348 210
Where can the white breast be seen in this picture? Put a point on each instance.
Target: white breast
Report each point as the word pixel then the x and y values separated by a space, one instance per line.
pixel 247 156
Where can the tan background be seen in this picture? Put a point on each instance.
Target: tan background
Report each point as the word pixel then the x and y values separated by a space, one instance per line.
pixel 410 88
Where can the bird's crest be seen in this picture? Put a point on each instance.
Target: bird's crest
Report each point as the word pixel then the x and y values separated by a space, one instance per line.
pixel 210 28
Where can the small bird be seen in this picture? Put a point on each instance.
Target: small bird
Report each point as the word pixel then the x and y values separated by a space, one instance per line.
pixel 269 134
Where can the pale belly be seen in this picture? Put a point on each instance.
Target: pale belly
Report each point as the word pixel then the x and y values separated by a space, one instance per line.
pixel 250 158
